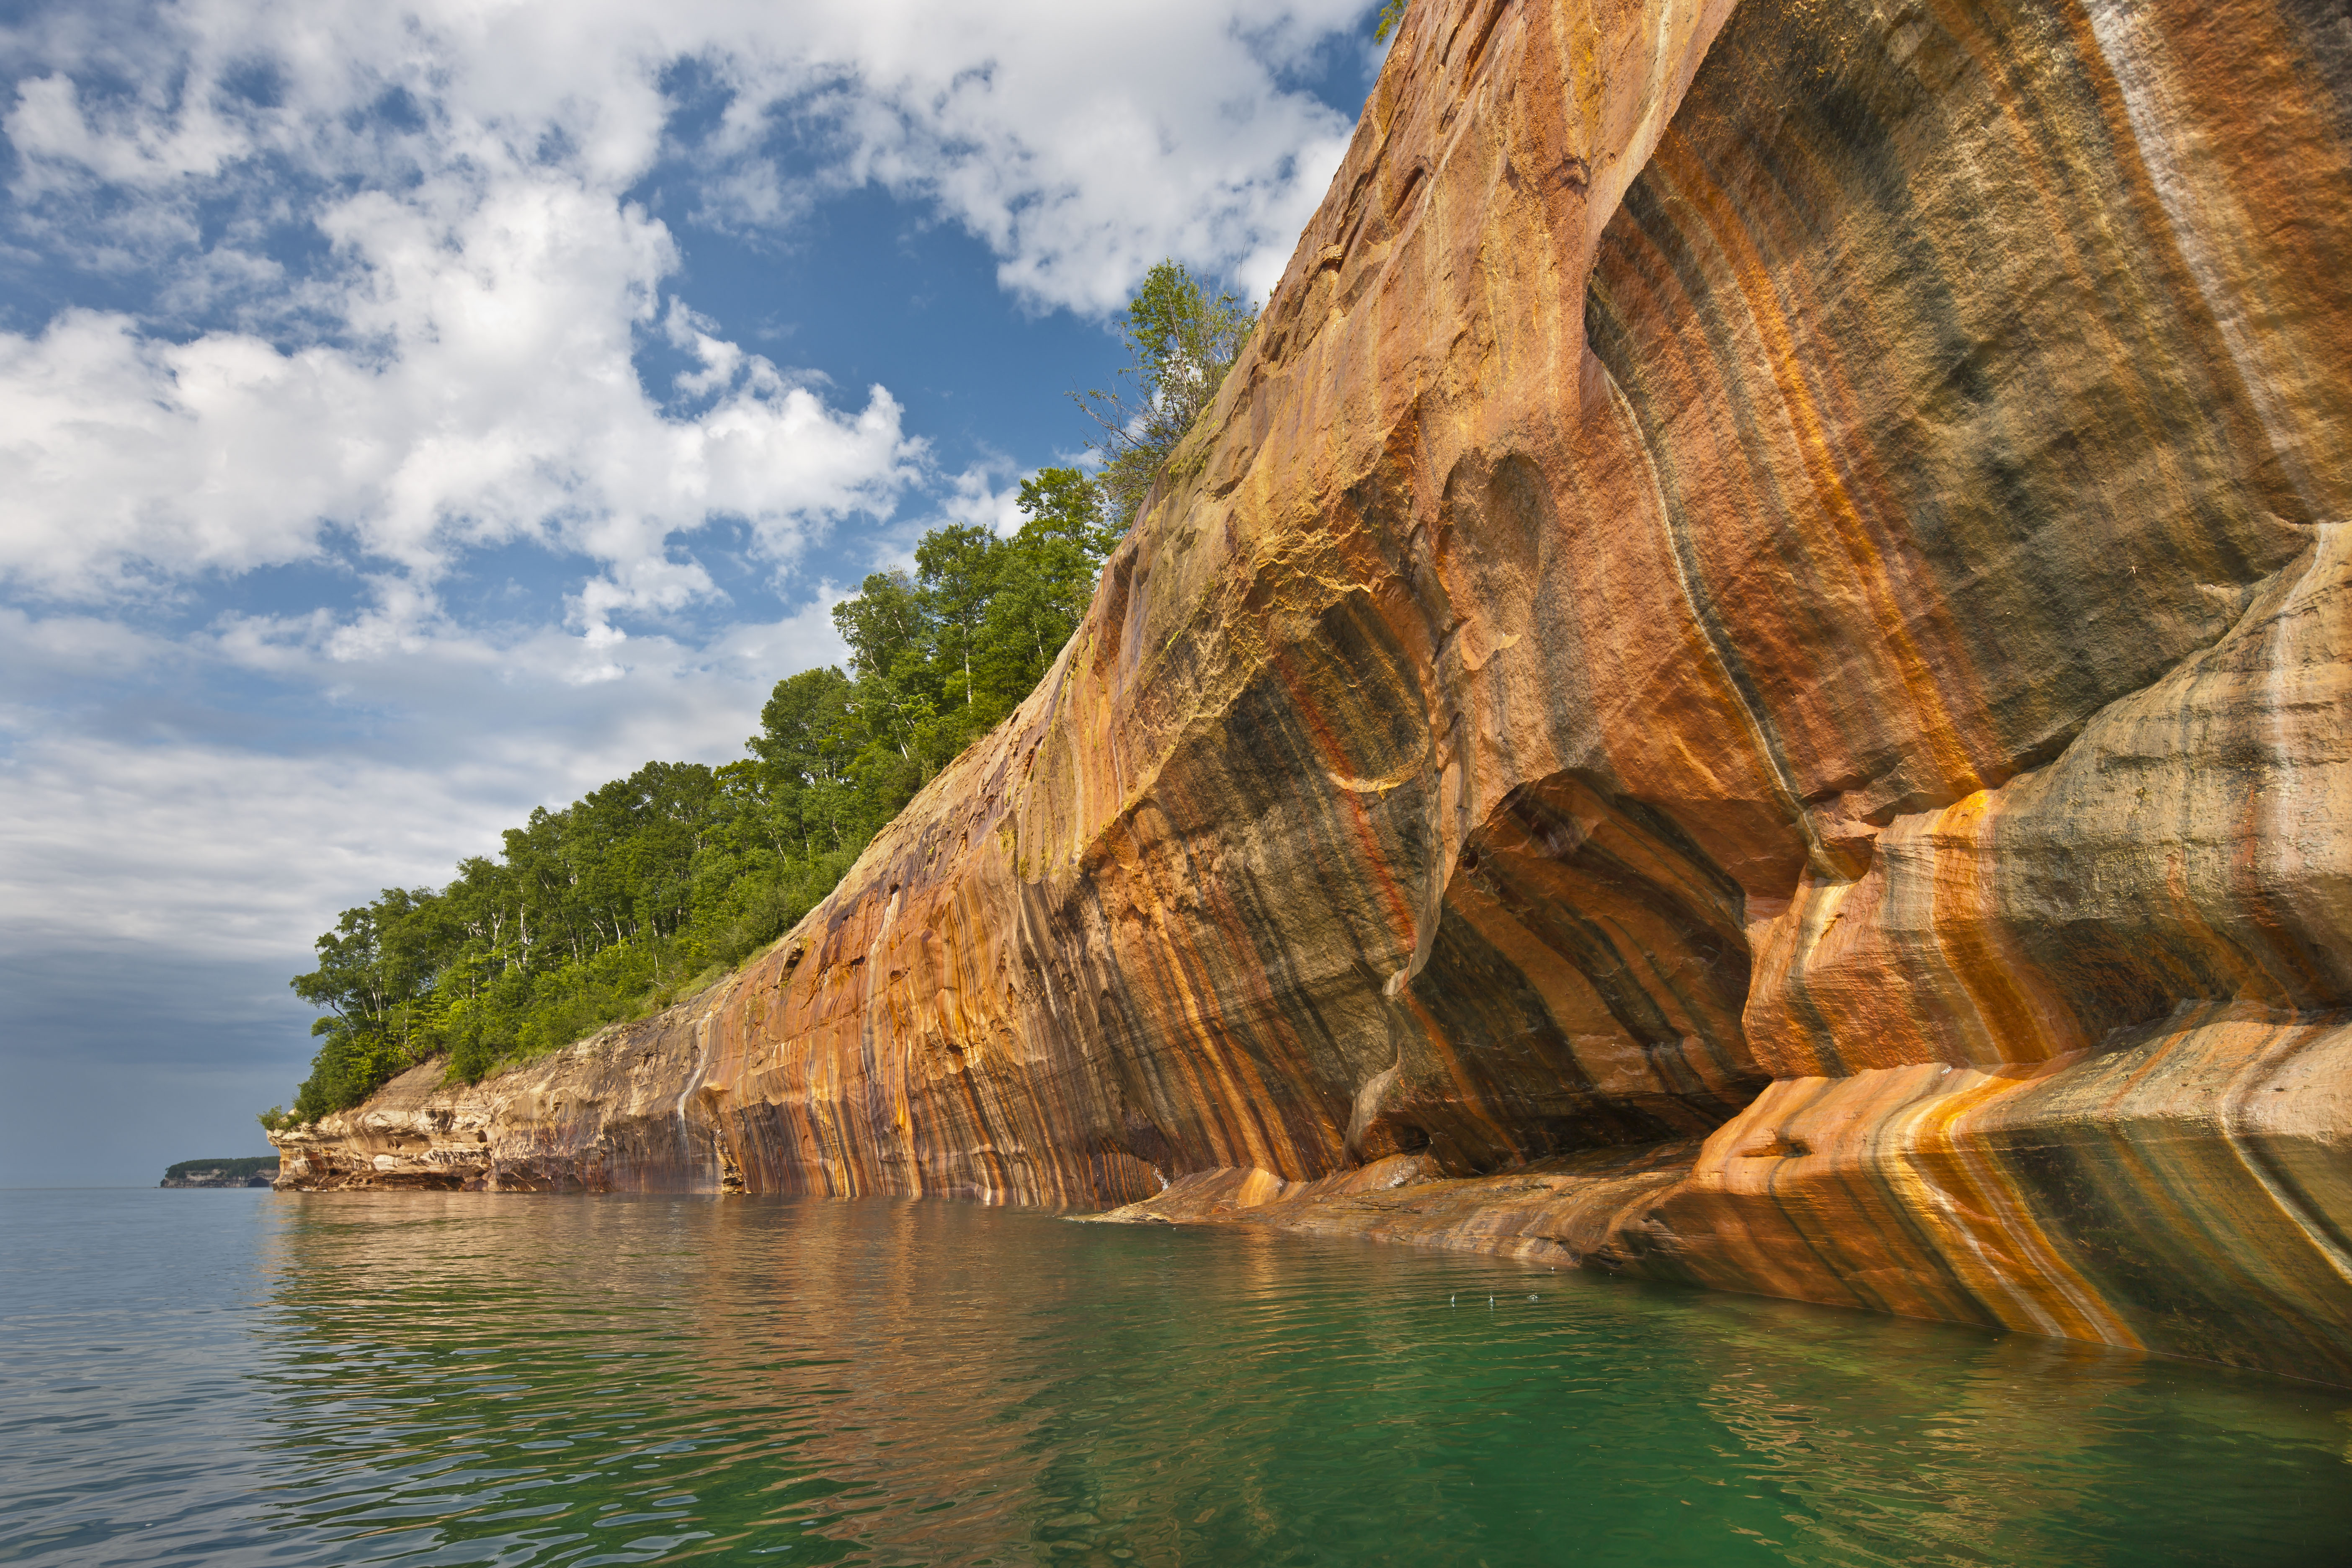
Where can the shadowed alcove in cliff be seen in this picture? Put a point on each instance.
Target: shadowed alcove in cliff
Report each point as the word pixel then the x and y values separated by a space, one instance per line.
pixel 1746 682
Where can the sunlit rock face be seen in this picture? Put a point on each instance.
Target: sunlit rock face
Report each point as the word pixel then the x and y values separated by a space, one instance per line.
pixel 1758 651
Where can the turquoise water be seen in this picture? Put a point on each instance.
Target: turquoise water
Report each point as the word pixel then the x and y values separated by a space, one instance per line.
pixel 237 1377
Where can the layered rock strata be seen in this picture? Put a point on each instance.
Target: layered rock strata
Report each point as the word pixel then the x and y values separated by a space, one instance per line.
pixel 1747 681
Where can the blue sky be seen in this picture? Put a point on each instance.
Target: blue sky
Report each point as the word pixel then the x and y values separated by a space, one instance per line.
pixel 412 416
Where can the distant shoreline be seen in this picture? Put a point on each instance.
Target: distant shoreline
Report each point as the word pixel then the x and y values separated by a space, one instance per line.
pixel 242 1171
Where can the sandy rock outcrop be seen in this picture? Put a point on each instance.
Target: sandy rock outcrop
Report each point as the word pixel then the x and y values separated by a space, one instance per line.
pixel 1748 681
pixel 619 1111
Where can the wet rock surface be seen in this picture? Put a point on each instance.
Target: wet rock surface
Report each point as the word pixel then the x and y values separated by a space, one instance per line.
pixel 1749 683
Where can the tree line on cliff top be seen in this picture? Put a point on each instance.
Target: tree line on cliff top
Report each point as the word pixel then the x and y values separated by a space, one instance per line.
pixel 653 885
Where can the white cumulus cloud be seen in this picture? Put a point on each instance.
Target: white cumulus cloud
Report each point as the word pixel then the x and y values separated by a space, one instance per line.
pixel 489 396
pixel 462 374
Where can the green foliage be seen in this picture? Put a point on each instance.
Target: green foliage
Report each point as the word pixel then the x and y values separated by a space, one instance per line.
pixel 1180 342
pixel 652 885
pixel 242 1166
pixel 1391 15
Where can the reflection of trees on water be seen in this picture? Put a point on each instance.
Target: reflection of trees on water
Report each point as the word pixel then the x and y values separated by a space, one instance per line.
pixel 534 1380
pixel 472 1378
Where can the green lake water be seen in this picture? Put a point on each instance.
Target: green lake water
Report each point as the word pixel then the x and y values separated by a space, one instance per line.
pixel 239 1377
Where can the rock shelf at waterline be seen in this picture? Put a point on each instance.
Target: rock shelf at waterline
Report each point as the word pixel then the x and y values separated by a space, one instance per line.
pixel 1746 683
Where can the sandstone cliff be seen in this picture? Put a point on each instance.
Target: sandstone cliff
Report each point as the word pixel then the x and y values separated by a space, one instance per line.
pixel 1748 681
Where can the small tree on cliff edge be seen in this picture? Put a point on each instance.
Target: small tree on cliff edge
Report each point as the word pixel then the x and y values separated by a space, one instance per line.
pixel 1180 342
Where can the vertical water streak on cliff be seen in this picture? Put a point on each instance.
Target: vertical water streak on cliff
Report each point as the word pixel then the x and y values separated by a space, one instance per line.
pixel 1797 547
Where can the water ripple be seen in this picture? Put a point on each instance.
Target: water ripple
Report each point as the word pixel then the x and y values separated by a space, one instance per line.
pixel 225 1378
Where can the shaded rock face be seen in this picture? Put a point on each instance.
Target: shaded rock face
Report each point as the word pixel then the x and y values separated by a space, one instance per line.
pixel 197 1180
pixel 1759 645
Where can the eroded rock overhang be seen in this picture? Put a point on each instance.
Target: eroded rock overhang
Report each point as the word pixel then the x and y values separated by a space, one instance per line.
pixel 1767 609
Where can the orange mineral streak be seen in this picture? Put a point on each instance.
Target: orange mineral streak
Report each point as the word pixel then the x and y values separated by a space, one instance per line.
pixel 2003 1258
pixel 1845 556
pixel 1750 681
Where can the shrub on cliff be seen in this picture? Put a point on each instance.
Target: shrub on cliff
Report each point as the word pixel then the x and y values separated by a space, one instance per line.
pixel 1180 342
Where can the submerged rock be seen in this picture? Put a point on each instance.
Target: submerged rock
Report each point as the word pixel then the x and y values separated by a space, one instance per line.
pixel 1748 683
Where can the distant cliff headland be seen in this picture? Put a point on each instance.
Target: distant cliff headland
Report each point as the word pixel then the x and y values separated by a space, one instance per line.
pixel 1747 679
pixel 250 1171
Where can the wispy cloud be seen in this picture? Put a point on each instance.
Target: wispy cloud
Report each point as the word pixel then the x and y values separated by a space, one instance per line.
pixel 197 836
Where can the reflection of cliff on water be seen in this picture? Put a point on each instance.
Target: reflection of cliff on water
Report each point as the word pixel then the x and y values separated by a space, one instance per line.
pixel 1982 1445
pixel 542 1380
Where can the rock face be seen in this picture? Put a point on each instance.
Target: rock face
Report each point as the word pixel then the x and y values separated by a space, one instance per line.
pixel 1751 680
pixel 244 1171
